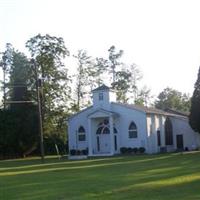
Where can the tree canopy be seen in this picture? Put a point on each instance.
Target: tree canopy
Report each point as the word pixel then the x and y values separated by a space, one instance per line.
pixel 20 113
pixel 172 99
pixel 49 52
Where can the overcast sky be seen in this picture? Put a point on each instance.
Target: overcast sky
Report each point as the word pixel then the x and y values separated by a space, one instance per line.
pixel 161 36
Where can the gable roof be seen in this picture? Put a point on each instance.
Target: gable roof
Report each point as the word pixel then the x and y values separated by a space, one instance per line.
pixel 142 108
pixel 148 110
pixel 102 87
pixel 75 114
pixel 186 114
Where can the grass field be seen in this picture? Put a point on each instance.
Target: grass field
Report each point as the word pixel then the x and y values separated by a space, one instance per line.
pixel 148 177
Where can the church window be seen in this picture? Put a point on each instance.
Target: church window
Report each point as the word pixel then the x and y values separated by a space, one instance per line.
pixel 158 137
pixel 168 132
pixel 99 130
pixel 104 128
pixel 100 96
pixel 81 134
pixel 114 130
pixel 132 130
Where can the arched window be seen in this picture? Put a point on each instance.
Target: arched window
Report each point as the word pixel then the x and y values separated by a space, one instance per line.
pixel 104 128
pixel 99 130
pixel 168 132
pixel 132 130
pixel 81 134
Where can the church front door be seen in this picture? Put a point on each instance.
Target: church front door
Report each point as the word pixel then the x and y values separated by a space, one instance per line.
pixel 104 143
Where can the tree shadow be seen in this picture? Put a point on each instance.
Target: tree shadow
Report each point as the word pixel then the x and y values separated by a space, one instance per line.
pixel 169 176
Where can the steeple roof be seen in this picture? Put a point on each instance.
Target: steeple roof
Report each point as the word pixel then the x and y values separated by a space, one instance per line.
pixel 102 87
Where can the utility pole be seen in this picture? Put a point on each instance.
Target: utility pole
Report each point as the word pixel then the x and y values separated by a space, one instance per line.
pixel 38 89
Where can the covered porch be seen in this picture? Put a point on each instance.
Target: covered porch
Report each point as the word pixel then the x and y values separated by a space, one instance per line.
pixel 103 136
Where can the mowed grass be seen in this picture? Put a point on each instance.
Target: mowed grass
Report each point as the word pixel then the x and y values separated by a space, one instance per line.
pixel 148 177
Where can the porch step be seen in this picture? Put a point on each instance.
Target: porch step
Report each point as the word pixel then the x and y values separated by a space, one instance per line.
pixel 101 154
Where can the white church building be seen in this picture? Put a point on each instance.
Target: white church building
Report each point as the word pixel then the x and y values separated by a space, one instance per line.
pixel 107 126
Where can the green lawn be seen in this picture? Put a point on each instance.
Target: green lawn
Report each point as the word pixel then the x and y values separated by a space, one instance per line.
pixel 149 177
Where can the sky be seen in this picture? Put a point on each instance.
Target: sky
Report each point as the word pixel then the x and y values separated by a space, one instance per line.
pixel 161 36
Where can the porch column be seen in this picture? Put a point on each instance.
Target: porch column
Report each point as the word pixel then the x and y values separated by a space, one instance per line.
pixel 111 135
pixel 90 152
pixel 162 131
pixel 154 142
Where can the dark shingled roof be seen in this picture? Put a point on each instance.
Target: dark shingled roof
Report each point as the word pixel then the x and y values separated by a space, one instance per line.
pixel 102 87
pixel 142 108
pixel 151 110
pixel 186 114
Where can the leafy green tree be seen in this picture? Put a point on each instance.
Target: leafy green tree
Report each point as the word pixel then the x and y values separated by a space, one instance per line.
pixel 173 99
pixel 120 76
pixel 5 63
pixel 121 85
pixel 91 73
pixel 194 117
pixel 82 80
pixel 125 78
pixel 143 96
pixel 136 76
pixel 114 60
pixel 98 71
pixel 49 53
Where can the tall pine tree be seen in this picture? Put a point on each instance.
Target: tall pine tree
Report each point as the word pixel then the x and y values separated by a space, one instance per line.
pixel 194 118
pixel 81 80
pixel 18 129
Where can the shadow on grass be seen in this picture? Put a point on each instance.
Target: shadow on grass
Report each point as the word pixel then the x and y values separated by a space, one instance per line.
pixel 166 177
pixel 75 165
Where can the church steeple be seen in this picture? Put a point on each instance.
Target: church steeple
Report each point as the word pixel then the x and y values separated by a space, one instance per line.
pixel 102 96
pixel 102 87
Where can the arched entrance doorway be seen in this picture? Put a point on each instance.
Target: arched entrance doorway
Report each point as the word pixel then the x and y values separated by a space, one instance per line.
pixel 103 137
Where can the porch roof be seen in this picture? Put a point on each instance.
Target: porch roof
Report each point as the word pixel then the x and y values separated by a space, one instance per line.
pixel 102 113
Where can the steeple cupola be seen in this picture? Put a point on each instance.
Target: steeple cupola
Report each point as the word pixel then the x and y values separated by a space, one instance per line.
pixel 102 96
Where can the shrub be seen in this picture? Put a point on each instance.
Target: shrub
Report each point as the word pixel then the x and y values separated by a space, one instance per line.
pixel 73 152
pixel 135 149
pixel 78 152
pixel 141 149
pixel 123 150
pixel 85 152
pixel 129 150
